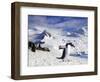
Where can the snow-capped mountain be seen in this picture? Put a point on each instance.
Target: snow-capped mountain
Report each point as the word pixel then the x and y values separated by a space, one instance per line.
pixel 36 38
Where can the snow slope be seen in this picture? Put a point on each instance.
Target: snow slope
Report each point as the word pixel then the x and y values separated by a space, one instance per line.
pixel 78 55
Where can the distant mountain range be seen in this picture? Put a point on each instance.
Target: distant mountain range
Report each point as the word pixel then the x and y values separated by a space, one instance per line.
pixel 77 32
pixel 38 37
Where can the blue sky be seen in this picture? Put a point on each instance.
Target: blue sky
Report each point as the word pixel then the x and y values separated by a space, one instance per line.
pixel 66 23
pixel 57 19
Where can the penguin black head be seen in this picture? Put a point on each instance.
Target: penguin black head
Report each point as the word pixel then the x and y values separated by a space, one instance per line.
pixel 69 44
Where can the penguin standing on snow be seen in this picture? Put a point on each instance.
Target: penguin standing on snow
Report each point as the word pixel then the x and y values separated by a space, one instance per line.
pixel 65 50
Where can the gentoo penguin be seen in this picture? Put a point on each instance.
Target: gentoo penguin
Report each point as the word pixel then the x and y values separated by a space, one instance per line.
pixel 65 50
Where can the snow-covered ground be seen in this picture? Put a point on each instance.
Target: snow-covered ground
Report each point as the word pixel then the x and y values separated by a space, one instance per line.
pixel 77 55
pixel 41 58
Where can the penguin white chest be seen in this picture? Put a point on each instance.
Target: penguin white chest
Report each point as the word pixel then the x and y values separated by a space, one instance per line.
pixel 68 50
